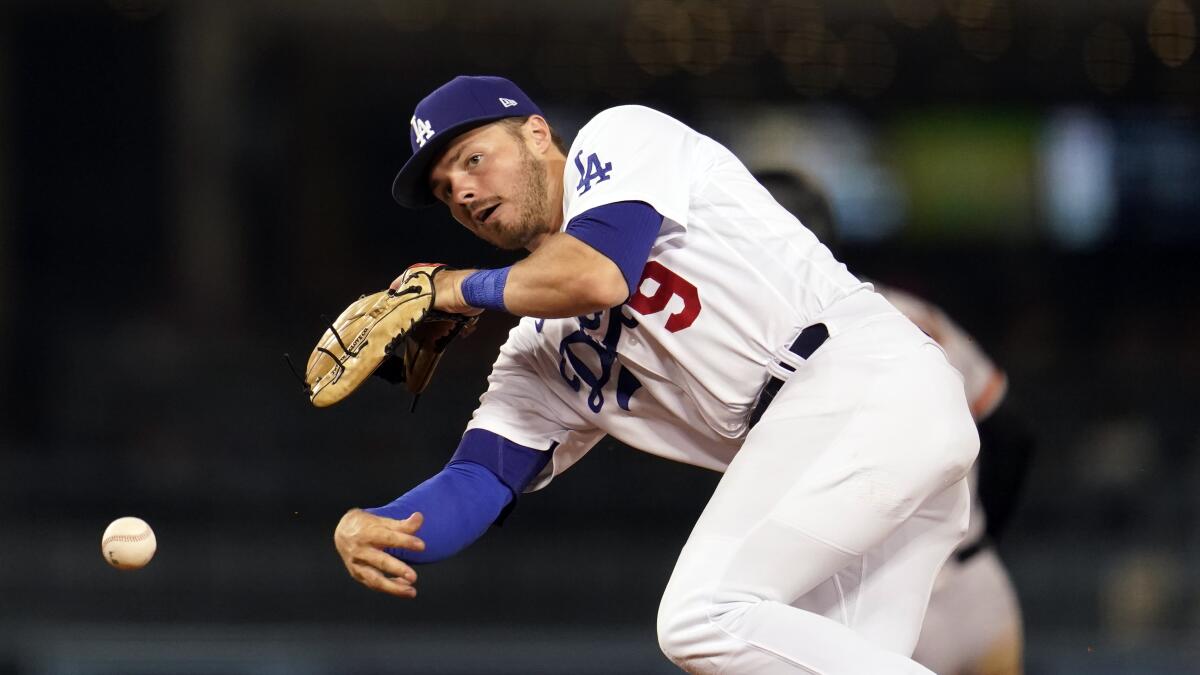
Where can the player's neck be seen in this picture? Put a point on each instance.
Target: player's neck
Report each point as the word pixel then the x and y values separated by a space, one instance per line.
pixel 556 163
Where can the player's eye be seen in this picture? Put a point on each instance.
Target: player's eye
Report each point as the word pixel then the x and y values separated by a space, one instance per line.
pixel 474 160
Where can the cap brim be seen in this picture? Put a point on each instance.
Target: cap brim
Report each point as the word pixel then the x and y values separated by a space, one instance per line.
pixel 410 189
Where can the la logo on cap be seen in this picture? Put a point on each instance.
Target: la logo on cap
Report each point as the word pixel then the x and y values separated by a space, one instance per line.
pixel 423 130
pixel 507 102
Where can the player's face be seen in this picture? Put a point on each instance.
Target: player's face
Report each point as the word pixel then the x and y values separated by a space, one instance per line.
pixel 495 186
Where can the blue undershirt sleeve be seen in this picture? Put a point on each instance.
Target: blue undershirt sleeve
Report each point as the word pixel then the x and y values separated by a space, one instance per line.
pixel 623 231
pixel 460 502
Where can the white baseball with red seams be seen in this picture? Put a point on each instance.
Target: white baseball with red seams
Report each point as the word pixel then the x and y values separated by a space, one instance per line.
pixel 128 543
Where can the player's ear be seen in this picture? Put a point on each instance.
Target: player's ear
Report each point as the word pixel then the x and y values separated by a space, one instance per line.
pixel 537 130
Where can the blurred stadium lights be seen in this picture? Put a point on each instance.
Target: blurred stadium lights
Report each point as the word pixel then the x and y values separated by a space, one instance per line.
pixel 1171 30
pixel 717 43
pixel 1077 158
pixel 1108 57
pixel 967 173
pixel 662 36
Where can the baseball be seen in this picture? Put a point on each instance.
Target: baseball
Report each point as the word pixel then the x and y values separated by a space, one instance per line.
pixel 128 543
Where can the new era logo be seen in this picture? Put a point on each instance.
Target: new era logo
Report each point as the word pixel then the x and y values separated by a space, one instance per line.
pixel 507 102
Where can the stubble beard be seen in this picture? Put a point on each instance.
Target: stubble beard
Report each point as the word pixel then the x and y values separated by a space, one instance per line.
pixel 532 205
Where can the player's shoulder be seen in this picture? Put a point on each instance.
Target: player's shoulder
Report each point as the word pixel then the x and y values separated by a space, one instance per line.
pixel 630 120
pixel 632 112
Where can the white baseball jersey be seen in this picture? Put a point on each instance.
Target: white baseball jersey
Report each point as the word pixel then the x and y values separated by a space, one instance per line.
pixel 731 280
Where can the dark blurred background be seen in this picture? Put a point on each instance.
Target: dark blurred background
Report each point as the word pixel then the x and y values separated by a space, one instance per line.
pixel 185 187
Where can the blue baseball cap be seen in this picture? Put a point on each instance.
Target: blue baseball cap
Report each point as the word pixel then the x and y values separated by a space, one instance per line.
pixel 466 102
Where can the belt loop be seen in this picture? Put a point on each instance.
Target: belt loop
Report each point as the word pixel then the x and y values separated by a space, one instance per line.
pixel 810 338
pixel 805 344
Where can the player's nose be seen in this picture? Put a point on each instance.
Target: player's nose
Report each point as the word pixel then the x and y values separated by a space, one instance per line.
pixel 463 192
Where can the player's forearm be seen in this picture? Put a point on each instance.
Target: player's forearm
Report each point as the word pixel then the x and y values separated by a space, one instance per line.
pixel 482 479
pixel 564 277
pixel 459 504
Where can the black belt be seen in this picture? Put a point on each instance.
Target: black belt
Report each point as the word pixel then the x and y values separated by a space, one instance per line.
pixel 810 338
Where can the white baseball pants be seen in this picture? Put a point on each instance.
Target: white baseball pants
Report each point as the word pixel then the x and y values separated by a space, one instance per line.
pixel 819 548
pixel 973 624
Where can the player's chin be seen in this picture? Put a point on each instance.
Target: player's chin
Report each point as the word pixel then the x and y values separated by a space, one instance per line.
pixel 510 238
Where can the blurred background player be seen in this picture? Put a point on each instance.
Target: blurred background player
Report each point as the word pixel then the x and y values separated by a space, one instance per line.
pixel 973 625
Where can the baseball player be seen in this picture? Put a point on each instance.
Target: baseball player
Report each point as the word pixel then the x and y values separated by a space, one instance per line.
pixel 973 625
pixel 669 301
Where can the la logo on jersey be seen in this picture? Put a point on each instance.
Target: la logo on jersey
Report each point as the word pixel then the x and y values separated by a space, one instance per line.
pixel 594 173
pixel 422 130
pixel 582 351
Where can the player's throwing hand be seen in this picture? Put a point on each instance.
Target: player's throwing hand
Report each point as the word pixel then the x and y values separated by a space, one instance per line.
pixel 361 538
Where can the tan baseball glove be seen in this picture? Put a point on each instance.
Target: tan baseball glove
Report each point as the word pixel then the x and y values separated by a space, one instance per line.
pixel 394 334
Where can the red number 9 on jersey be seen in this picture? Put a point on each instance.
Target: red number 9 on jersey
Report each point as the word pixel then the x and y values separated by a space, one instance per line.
pixel 669 285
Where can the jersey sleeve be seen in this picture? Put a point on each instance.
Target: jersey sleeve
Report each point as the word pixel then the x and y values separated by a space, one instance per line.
pixel 630 154
pixel 623 232
pixel 520 405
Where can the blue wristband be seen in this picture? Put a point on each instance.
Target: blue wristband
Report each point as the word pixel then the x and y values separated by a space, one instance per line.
pixel 485 289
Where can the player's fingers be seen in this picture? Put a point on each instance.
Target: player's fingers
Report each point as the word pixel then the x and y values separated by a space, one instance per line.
pixel 378 581
pixel 366 564
pixel 395 285
pixel 390 539
pixel 386 563
pixel 410 524
pixel 390 536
